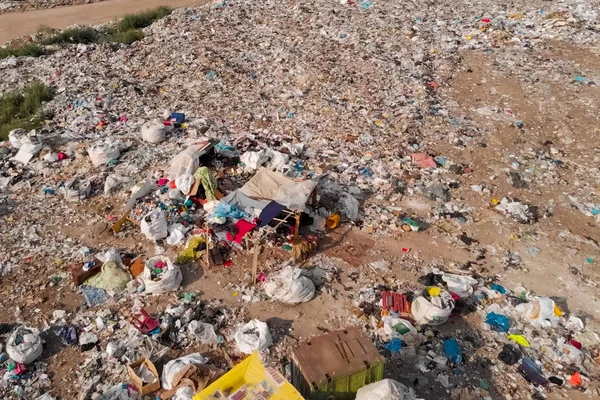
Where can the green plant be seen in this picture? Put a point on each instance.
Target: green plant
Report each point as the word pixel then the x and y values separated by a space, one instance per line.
pixel 22 109
pixel 85 35
pixel 143 19
pixel 26 50
pixel 127 37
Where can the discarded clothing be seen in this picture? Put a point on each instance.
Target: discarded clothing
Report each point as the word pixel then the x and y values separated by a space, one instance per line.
pixel 242 227
pixel 272 210
pixel 209 183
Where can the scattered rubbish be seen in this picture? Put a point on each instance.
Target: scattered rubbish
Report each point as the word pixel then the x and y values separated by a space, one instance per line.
pixel 253 336
pixel 289 286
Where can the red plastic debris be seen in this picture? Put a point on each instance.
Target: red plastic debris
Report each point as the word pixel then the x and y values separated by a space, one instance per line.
pixel 486 20
pixel 395 302
pixel 576 379
pixel 143 322
pixel 433 85
pixel 576 344
pixel 405 249
pixel 229 263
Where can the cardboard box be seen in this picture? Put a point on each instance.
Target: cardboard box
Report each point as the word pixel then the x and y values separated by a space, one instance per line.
pixel 137 381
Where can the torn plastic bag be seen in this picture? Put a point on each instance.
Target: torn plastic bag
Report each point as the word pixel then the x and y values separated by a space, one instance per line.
pixel 460 284
pixel 184 183
pixel 174 367
pixel 111 278
pixel 184 393
pixel 154 225
pixel 289 286
pixel 203 331
pixel 351 205
pixel 153 132
pixel 77 189
pixel 187 161
pixel 254 159
pixel 400 328
pixel 253 336
pixel 24 345
pixel 122 391
pixel 160 275
pixel 113 183
pixel 432 311
pixel 386 389
pixel 176 234
pixel 294 196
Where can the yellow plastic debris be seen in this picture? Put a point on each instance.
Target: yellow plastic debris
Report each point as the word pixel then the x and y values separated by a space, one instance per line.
pixel 520 339
pixel 433 291
pixel 557 311
pixel 250 380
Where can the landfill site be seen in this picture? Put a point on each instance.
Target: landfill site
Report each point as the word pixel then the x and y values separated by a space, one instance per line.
pixel 320 200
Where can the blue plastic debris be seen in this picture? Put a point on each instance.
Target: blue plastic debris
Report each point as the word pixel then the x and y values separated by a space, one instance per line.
pixel 498 322
pixel 394 346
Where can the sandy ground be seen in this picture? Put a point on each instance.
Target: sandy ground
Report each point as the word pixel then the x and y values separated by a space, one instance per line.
pixel 15 25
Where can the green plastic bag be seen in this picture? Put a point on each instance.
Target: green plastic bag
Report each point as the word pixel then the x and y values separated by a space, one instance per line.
pixel 112 278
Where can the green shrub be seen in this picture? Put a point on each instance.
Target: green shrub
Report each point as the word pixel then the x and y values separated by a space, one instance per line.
pixel 26 50
pixel 143 19
pixel 85 35
pixel 22 109
pixel 127 37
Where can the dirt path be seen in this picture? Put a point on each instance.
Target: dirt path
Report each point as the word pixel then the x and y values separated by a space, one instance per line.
pixel 14 25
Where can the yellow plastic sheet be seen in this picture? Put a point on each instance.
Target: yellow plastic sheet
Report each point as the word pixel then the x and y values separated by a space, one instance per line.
pixel 250 380
pixel 520 339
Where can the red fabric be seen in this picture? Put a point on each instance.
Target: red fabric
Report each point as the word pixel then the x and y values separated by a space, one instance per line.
pixel 243 227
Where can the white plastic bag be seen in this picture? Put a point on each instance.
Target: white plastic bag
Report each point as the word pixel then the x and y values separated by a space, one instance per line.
pixel 434 312
pixel 176 234
pixel 202 331
pixel 539 312
pixel 253 336
pixel 15 136
pixel 153 132
pixel 173 367
pixel 392 327
pixel 103 152
pixel 184 183
pixel 113 183
pixel 154 225
pixel 170 278
pixel 290 286
pixel 184 393
pixel 460 284
pixel 186 162
pixel 29 347
pixel 387 389
pixel 351 206
pixel 254 159
pixel 294 196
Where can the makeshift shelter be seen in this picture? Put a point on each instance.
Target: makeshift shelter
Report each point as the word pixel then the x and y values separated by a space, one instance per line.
pixel 269 195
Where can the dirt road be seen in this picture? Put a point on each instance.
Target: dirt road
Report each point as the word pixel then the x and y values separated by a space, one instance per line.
pixel 14 25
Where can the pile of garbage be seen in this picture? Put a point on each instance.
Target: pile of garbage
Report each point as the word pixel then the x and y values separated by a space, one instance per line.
pixel 242 128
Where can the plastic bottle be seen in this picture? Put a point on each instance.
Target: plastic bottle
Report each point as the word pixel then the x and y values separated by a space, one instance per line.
pixel 452 351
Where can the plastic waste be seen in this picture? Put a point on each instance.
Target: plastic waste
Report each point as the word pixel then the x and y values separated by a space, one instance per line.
pixel 176 234
pixel 174 367
pixel 459 284
pixel 253 336
pixel 498 322
pixel 153 132
pixel 184 393
pixel 76 189
pixel 539 312
pixel 203 331
pixel 160 275
pixel 452 350
pixel 24 345
pixel 289 286
pixel 386 389
pixel 111 278
pixel 351 206
pixel 509 355
pixel 154 225
pixel 394 346
pixel 102 152
pixel 184 183
pixel 433 311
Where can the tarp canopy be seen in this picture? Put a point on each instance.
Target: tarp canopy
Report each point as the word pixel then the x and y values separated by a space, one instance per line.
pixel 270 185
